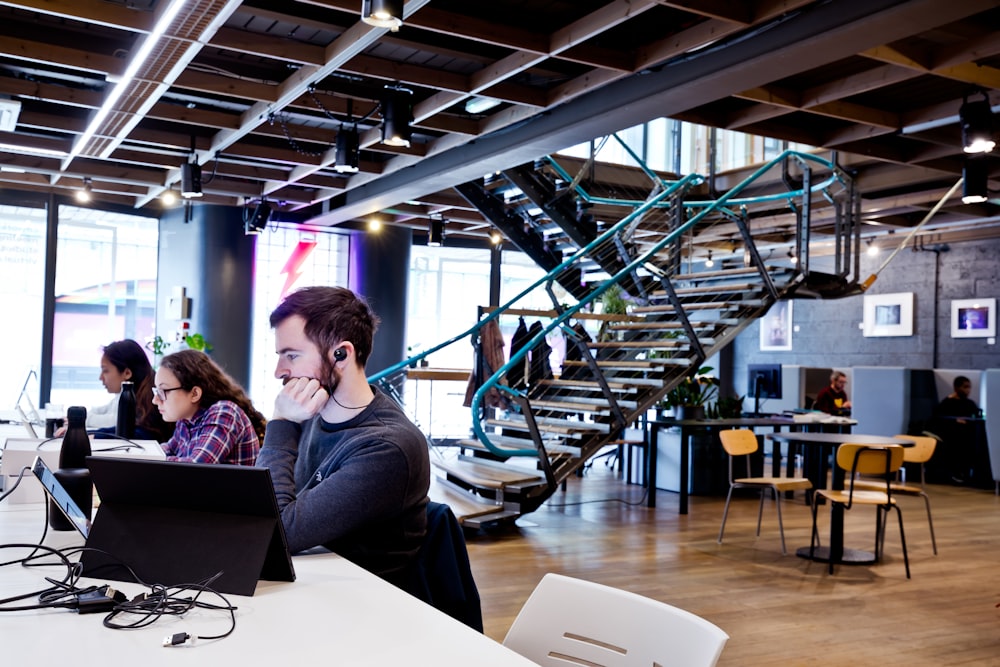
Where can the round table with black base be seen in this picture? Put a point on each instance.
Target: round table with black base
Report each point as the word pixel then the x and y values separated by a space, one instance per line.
pixel 823 444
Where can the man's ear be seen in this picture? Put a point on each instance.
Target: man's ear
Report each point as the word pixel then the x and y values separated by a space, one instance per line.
pixel 341 351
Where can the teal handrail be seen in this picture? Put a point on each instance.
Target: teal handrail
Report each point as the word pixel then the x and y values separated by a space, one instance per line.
pixel 561 318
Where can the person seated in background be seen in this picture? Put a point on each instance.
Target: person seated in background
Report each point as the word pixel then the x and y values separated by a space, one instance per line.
pixel 121 361
pixel 832 399
pixel 216 422
pixel 951 424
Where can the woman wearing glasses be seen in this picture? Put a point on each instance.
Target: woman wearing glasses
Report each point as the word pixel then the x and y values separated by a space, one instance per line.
pixel 216 422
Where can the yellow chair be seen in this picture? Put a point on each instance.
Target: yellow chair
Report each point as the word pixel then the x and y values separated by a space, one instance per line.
pixel 883 461
pixel 743 442
pixel 921 452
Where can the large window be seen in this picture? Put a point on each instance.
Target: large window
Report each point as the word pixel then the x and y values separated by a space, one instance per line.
pixel 22 282
pixel 286 259
pixel 105 291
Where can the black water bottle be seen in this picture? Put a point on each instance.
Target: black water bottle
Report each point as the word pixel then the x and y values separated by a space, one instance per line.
pixel 72 472
pixel 125 428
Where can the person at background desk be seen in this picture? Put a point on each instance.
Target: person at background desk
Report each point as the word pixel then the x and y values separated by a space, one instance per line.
pixel 952 422
pixel 121 361
pixel 832 399
pixel 350 470
pixel 216 422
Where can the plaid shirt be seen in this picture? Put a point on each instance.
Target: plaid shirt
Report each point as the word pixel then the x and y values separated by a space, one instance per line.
pixel 220 434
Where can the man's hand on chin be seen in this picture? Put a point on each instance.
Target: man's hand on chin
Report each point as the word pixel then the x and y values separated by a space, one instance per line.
pixel 300 399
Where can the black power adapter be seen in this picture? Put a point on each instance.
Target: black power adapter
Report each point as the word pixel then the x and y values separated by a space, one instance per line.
pixel 103 599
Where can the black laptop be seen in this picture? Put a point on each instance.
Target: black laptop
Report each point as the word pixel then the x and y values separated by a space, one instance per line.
pixel 182 523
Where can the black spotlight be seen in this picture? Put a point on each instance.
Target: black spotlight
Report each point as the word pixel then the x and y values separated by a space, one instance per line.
pixel 190 180
pixel 256 221
pixel 397 114
pixel 435 234
pixel 346 151
pixel 976 117
pixel 383 13
pixel 975 183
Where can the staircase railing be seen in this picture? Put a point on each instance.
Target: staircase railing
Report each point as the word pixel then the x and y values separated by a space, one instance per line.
pixel 645 261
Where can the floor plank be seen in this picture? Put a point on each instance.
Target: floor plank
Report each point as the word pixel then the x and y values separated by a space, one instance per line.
pixel 777 609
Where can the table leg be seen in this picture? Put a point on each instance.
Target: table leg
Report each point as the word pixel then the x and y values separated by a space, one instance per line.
pixel 685 464
pixel 651 447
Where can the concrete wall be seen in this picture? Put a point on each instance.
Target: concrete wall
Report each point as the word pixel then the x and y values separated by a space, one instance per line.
pixel 826 333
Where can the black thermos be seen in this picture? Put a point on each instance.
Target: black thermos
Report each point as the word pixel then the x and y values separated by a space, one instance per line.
pixel 72 472
pixel 125 428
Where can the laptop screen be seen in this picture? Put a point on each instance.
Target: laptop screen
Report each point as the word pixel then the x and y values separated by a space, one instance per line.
pixel 60 497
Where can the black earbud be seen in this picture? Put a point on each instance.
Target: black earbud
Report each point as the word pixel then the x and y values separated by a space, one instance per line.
pixel 340 354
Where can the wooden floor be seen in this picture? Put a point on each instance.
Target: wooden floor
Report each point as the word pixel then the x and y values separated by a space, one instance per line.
pixel 778 610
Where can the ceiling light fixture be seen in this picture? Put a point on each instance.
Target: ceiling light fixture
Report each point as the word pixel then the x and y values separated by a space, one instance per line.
pixel 256 221
pixel 495 237
pixel 792 258
pixel 191 180
pixel 138 60
pixel 478 105
pixel 976 118
pixel 383 13
pixel 346 154
pixel 872 248
pixel 709 263
pixel 374 225
pixel 168 198
pixel 975 180
pixel 85 194
pixel 435 233
pixel 397 114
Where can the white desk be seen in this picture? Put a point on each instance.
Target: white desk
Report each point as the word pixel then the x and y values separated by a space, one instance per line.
pixel 335 612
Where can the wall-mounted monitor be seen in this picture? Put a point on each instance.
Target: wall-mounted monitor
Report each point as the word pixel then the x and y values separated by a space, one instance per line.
pixel 764 380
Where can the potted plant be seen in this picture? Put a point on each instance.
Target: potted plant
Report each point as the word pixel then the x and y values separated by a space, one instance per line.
pixel 688 399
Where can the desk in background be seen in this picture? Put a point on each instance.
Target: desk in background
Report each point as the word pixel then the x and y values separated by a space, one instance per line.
pixel 689 427
pixel 335 612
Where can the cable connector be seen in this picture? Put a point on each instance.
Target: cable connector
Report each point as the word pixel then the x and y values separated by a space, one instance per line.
pixel 103 599
pixel 178 639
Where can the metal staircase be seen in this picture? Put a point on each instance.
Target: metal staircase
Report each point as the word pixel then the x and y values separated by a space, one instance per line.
pixel 532 426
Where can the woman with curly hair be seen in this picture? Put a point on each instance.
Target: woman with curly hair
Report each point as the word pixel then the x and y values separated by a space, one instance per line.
pixel 216 422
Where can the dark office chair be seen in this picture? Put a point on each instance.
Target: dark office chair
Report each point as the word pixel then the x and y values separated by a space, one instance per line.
pixel 442 576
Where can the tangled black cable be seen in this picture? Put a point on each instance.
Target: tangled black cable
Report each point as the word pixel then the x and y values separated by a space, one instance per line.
pixel 147 608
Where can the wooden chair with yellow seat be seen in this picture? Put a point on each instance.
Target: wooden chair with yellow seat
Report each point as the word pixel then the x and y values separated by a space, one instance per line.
pixel 743 443
pixel 882 461
pixel 920 453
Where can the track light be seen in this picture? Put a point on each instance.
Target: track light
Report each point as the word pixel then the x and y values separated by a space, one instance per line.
pixel 346 151
pixel 85 194
pixel 168 198
pixel 383 13
pixel 478 105
pixel 397 114
pixel 435 234
pixel 872 248
pixel 256 221
pixel 495 237
pixel 709 263
pixel 792 258
pixel 976 118
pixel 374 225
pixel 975 180
pixel 190 180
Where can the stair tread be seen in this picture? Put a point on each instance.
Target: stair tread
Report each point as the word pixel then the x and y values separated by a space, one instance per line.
pixel 502 442
pixel 464 505
pixel 479 474
pixel 550 424
pixel 587 384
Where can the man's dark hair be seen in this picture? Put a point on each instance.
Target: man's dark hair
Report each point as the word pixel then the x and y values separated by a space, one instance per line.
pixel 332 315
pixel 959 381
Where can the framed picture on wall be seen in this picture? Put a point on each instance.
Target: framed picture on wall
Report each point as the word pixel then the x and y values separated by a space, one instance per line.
pixel 973 318
pixel 888 314
pixel 776 327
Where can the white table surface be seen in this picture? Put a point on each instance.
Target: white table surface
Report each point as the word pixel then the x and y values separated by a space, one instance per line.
pixel 334 613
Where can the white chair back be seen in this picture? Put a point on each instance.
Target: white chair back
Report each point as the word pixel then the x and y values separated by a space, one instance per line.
pixel 570 621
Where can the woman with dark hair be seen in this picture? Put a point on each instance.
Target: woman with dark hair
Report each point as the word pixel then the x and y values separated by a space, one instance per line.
pixel 215 420
pixel 125 360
